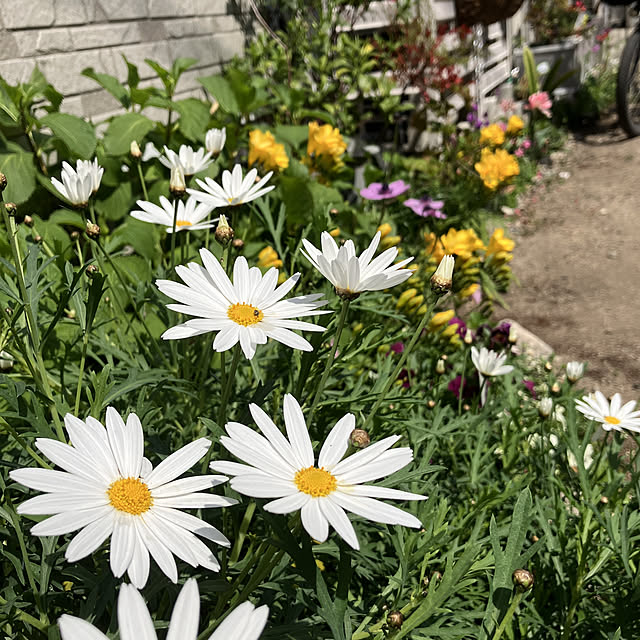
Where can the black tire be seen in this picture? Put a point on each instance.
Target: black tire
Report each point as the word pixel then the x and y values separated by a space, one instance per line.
pixel 628 86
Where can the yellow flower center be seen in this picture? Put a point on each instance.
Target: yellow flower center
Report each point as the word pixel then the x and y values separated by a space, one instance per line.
pixel 315 482
pixel 612 420
pixel 183 223
pixel 244 314
pixel 130 495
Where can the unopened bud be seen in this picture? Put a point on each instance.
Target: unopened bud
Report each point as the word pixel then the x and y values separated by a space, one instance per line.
pixel 28 220
pixel 548 366
pixel 468 337
pixel 440 368
pixel 523 579
pixel 11 207
pixel 71 314
pixel 134 150
pixel 466 407
pixel 395 619
pixel 177 185
pixel 534 538
pixel 92 270
pixel 224 233
pixel 333 211
pixel 555 388
pixel 545 407
pixel 93 230
pixel 513 334
pixel 6 361
pixel 359 438
pixel 442 278
pixel 37 239
pixel 74 235
pixel 238 243
pixel 3 182
pixel 575 371
pixel 215 105
pixel 431 404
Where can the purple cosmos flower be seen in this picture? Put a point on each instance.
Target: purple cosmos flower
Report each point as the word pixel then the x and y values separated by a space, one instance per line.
pixel 383 191
pixel 426 207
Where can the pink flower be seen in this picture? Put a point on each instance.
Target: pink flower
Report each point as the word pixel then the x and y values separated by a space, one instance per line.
pixel 383 190
pixel 526 143
pixel 519 153
pixel 540 101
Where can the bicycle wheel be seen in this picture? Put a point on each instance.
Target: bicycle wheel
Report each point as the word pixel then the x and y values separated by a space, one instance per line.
pixel 628 86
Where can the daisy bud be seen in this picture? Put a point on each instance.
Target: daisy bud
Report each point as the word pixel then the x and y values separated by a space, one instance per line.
pixel 215 139
pixel 11 208
pixel 575 371
pixel 523 579
pixel 177 185
pixel 8 311
pixel 431 404
pixel 548 366
pixel 513 334
pixel 334 233
pixel 534 538
pixel 224 233
pixel 545 407
pixel 466 407
pixel 395 619
pixel 93 230
pixel 238 243
pixel 28 220
pixel 441 279
pixel 440 366
pixel 468 337
pixel 92 270
pixel 6 361
pixel 215 105
pixel 555 388
pixel 3 182
pixel 71 314
pixel 37 239
pixel 359 438
pixel 74 235
pixel 334 211
pixel 134 150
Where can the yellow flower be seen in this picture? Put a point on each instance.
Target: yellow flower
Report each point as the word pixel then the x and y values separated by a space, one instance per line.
pixel 67 585
pixel 334 233
pixel 514 126
pixel 268 258
pixel 492 134
pixel 384 229
pixel 325 140
pixel 263 148
pixel 405 296
pixel 390 241
pixel 467 292
pixel 440 319
pixel 495 168
pixel 498 243
pixel 461 243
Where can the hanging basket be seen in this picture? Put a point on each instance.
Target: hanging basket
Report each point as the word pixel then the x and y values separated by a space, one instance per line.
pixel 472 12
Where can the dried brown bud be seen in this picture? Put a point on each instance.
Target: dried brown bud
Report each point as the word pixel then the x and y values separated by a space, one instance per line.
pixel 91 270
pixel 3 182
pixel 11 207
pixel 93 230
pixel 395 619
pixel 238 243
pixel 224 233
pixel 523 579
pixel 28 220
pixel 534 538
pixel 359 438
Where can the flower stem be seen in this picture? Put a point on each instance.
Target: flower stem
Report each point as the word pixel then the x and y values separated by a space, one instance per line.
pixel 405 354
pixel 331 356
pixel 83 358
pixel 143 184
pixel 508 615
pixel 242 532
pixel 14 434
pixel 173 234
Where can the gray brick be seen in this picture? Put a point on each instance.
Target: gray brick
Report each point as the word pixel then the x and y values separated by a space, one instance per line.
pixel 40 41
pixel 70 12
pixel 63 70
pixel 222 24
pixel 181 28
pixel 98 102
pixel 73 105
pixel 152 30
pixel 105 35
pixel 123 9
pixel 8 45
pixel 30 13
pixel 170 8
pixel 203 48
pixel 15 71
pixel 210 7
pixel 228 45
pixel 157 51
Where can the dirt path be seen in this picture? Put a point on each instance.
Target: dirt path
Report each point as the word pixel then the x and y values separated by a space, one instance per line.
pixel 578 261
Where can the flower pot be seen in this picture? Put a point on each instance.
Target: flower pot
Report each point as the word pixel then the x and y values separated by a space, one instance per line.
pixel 576 53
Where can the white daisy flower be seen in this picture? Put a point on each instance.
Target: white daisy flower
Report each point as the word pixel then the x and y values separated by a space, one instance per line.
pixel 190 216
pixel 150 152
pixel 187 159
pixel 245 622
pixel 248 311
pixel 587 458
pixel 489 364
pixel 575 371
pixel 109 489
pixel 285 469
pixel 93 169
pixel 77 186
pixel 612 415
pixel 351 275
pixel 215 139
pixel 234 190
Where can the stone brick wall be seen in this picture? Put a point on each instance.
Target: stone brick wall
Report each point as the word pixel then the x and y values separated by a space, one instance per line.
pixel 63 37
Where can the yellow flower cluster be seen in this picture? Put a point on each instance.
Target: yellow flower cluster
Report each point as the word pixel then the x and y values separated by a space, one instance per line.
pixel 264 149
pixel 514 126
pixel 500 247
pixel 462 243
pixel 492 134
pixel 268 258
pixel 326 142
pixel 496 167
pixel 386 239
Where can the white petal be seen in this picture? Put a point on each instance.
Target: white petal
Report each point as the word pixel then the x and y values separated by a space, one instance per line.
pixel 314 521
pixel 123 540
pixel 177 463
pixel 375 510
pixel 337 442
pixel 159 551
pixel 72 628
pixel 186 613
pixel 297 432
pixel 69 521
pixel 288 503
pixel 243 623
pixel 89 539
pixel 138 569
pixel 134 620
pixel 339 520
pixel 188 485
pixel 262 486
pixel 386 464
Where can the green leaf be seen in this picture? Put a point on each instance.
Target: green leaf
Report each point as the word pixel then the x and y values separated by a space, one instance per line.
pixel 295 135
pixel 163 74
pixel 297 197
pixel 77 134
pixel 133 77
pixel 242 88
pixel 123 130
pixel 111 84
pixel 194 118
pixel 218 87
pixel 21 176
pixel 530 69
pixel 180 65
pixel 117 204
